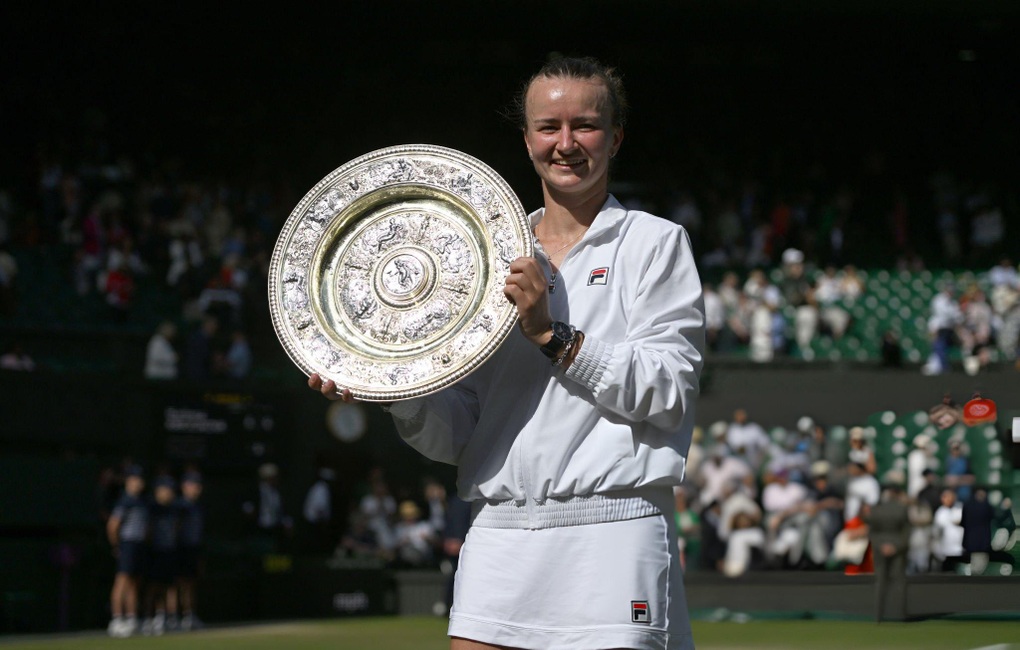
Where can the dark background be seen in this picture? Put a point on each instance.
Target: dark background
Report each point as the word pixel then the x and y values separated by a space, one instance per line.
pixel 286 94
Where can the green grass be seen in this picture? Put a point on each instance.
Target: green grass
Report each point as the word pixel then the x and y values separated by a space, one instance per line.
pixel 430 634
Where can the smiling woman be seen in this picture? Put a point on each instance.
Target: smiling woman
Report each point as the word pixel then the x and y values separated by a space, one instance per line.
pixel 570 439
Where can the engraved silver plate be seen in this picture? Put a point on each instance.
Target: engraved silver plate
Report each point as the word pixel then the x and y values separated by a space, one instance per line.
pixel 388 275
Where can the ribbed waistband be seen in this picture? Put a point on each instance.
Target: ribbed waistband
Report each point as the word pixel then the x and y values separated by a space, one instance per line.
pixel 577 510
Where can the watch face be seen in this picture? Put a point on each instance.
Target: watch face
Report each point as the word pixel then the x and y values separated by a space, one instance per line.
pixel 561 331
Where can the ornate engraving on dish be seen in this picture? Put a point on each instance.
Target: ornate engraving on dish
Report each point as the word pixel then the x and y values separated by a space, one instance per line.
pixel 388 276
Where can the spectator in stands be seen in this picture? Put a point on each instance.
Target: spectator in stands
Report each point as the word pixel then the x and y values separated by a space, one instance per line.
pixel 715 315
pixel 126 530
pixel 740 529
pixel 238 360
pixel 720 470
pixel 119 290
pixel 799 294
pixel 747 439
pixel 942 324
pixel 852 548
pixel 948 531
pixel 920 458
pixel 738 324
pixel 823 447
pixel 860 452
pixel 825 514
pixel 975 332
pixel 1005 300
pixel 379 507
pixel 789 453
pixel 435 498
pixel 852 286
pixel 200 353
pixel 786 505
pixel 688 528
pixel 729 291
pixel 164 535
pixel 191 514
pixel 829 295
pixel 922 514
pixel 358 541
pixel 957 473
pixel 266 510
pixel 320 536
pixel 160 355
pixel 414 539
pixel 862 488
pixel 765 325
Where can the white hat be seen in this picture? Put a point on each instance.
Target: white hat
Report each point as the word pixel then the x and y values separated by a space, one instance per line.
pixel 857 433
pixel 820 468
pixel 792 256
pixel 921 441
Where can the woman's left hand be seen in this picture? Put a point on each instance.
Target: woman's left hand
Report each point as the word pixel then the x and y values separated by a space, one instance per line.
pixel 526 287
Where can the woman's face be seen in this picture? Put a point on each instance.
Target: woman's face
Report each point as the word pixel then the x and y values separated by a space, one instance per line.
pixel 570 135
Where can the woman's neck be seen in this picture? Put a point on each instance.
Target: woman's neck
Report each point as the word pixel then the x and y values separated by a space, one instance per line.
pixel 564 214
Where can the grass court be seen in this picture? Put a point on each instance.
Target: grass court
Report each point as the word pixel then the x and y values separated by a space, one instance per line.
pixel 421 633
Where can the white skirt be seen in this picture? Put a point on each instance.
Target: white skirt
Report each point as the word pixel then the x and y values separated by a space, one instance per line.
pixel 605 585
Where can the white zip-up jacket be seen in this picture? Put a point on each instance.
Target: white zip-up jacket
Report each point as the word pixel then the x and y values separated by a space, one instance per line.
pixel 618 421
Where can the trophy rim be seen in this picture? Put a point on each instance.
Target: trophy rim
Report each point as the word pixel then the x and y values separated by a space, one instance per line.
pixel 519 229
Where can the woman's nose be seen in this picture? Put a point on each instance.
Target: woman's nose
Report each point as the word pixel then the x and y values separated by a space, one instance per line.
pixel 566 139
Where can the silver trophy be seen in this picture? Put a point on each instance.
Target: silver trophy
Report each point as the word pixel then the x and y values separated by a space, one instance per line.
pixel 388 275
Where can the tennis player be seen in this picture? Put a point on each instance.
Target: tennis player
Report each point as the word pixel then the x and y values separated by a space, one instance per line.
pixel 570 438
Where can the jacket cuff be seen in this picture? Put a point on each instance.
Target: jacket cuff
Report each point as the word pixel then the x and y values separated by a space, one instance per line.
pixel 590 363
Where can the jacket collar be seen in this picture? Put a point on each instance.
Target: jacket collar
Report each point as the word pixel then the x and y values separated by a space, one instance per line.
pixel 607 220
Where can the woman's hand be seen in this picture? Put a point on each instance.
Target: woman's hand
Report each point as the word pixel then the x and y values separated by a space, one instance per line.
pixel 526 287
pixel 329 389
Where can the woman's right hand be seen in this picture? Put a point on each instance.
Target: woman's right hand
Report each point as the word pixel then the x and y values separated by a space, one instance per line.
pixel 329 389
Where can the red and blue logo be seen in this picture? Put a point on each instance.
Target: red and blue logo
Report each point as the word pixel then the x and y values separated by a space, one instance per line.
pixel 598 276
pixel 639 612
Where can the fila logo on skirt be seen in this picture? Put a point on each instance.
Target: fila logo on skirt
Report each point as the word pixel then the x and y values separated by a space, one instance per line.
pixel 639 612
pixel 598 276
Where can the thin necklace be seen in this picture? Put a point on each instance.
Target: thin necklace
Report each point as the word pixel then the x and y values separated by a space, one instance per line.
pixel 554 272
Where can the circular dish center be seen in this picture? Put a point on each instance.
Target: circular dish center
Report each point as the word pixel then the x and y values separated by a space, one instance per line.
pixel 404 276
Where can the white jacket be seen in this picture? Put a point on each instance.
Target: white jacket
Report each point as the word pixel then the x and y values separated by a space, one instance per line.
pixel 621 416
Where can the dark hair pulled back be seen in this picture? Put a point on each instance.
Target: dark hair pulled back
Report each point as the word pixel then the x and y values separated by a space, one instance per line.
pixel 570 67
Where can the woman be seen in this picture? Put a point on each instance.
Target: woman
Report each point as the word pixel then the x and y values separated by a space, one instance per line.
pixel 570 439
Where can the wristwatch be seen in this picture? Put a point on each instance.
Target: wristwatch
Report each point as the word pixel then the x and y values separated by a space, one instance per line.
pixel 562 335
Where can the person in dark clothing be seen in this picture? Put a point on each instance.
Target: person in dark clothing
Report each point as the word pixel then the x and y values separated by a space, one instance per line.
pixel 164 531
pixel 977 530
pixel 192 540
pixel 889 531
pixel 126 529
pixel 931 493
pixel 713 547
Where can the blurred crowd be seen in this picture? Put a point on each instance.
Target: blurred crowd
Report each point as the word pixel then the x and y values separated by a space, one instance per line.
pixel 981 325
pixel 750 314
pixel 200 248
pixel 121 231
pixel 409 529
pixel 805 500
